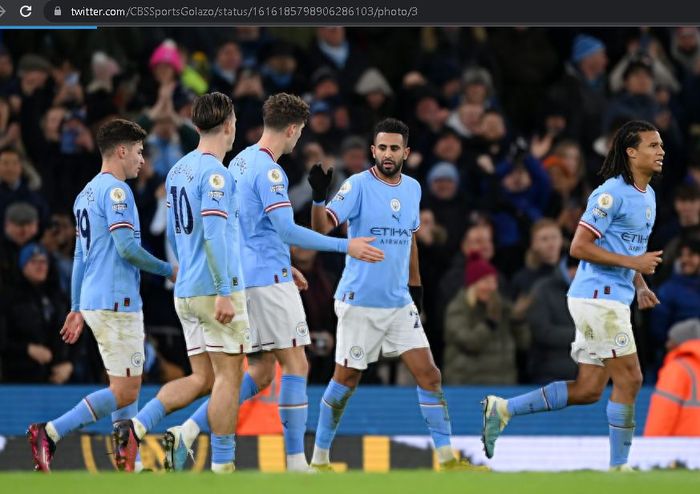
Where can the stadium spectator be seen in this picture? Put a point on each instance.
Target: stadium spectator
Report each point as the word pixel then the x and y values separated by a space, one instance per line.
pixel 684 224
pixel 331 48
pixel 21 226
pixel 551 326
pixel 320 316
pixel 31 316
pixel 224 70
pixel 675 405
pixel 582 91
pixel 481 336
pixel 680 295
pixel 19 182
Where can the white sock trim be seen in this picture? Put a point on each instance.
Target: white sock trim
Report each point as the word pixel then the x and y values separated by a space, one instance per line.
pixel 321 456
pixel 52 433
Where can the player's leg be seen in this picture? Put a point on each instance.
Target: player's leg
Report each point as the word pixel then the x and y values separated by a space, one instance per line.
pixel 333 403
pixel 359 338
pixel 280 327
pixel 223 409
pixel 260 373
pixel 431 400
pixel 123 357
pixel 293 404
pixel 626 376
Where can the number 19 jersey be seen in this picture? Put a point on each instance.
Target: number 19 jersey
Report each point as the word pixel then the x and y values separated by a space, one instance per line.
pixel 199 186
pixel 109 282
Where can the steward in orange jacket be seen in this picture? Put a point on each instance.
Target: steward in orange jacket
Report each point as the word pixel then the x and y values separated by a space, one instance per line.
pixel 675 404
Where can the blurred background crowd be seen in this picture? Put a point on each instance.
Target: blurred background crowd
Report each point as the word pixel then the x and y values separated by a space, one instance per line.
pixel 508 129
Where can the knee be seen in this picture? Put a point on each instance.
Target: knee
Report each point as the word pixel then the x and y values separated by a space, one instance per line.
pixel 205 381
pixel 429 379
pixel 348 377
pixel 297 366
pixel 126 394
pixel 585 394
pixel 632 382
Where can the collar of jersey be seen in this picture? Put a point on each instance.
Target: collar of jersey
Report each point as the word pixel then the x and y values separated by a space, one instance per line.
pixel 373 172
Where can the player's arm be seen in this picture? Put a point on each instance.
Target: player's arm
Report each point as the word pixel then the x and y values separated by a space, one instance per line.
pixel 215 250
pixel 583 247
pixel 646 298
pixel 73 326
pixel 320 218
pixel 129 250
pixel 170 233
pixel 415 287
pixel 320 180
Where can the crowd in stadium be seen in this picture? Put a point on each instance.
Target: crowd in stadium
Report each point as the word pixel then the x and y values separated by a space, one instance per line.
pixel 508 129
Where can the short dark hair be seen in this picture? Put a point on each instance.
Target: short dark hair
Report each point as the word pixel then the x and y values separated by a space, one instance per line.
pixel 210 111
pixel 690 243
pixel 116 132
pixel 282 110
pixel 684 192
pixel 391 126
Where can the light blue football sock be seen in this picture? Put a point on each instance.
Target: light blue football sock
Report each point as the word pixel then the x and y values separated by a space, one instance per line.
pixel 126 413
pixel 248 390
pixel 333 404
pixel 90 409
pixel 551 397
pixel 223 448
pixel 151 414
pixel 621 425
pixel 434 409
pixel 293 408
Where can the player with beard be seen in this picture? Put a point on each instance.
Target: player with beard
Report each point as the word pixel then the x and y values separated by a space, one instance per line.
pixel 378 305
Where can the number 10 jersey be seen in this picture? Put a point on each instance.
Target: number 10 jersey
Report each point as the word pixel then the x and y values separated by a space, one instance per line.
pixel 199 187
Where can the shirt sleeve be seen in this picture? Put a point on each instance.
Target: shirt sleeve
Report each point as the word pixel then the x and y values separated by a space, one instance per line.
pixel 416 220
pixel 215 186
pixel 119 207
pixel 603 206
pixel 273 188
pixel 345 204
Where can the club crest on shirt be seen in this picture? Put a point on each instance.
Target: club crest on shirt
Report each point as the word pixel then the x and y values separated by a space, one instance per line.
pixel 117 194
pixel 217 181
pixel 605 201
pixel 274 176
pixel 395 205
pixel 648 213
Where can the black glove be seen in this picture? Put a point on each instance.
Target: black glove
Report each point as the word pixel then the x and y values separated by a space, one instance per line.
pixel 417 296
pixel 319 182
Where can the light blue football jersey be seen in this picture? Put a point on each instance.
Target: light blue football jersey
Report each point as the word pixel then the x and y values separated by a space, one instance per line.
pixel 109 282
pixel 199 186
pixel 391 213
pixel 621 216
pixel 262 187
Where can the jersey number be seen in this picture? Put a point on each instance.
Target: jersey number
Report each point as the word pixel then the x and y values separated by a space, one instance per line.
pixel 83 221
pixel 183 220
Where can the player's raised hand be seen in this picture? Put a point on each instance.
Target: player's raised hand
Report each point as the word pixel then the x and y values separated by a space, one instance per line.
pixel 320 180
pixel 360 248
pixel 646 299
pixel 299 280
pixel 647 262
pixel 73 327
pixel 223 309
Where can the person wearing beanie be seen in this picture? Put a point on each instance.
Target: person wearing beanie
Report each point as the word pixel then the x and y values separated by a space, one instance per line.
pixel 481 335
pixel 31 313
pixel 675 405
pixel 582 92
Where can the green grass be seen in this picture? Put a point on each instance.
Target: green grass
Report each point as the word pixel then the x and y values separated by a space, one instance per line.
pixel 657 482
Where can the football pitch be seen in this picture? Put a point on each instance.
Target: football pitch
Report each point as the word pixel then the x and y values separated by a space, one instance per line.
pixel 583 482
